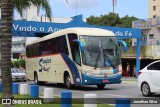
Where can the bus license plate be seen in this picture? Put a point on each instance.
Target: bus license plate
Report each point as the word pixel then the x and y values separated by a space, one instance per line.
pixel 105 81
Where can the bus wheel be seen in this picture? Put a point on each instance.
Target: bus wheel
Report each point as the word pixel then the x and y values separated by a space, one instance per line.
pixel 36 79
pixel 101 86
pixel 68 81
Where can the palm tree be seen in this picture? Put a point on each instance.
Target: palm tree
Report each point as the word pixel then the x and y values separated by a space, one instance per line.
pixel 6 37
pixel 7 7
pixel 20 5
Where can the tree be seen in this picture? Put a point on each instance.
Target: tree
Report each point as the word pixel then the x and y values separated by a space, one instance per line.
pixel 7 7
pixel 6 37
pixel 15 64
pixel 126 21
pixel 20 5
pixel 93 20
pixel 113 19
pixel 21 63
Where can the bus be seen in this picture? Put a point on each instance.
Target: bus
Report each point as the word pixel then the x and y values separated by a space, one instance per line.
pixel 75 56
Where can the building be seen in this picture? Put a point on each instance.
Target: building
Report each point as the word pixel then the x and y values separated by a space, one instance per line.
pixel 150 41
pixel 18 47
pixel 154 8
pixel 150 31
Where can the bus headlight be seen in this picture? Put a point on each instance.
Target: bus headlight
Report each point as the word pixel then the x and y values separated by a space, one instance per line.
pixel 87 72
pixel 90 73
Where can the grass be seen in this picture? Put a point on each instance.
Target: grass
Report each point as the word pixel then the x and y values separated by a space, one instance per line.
pixel 56 104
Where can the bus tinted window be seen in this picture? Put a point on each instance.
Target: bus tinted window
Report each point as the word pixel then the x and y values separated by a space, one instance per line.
pixel 45 47
pixel 51 46
pixel 74 48
pixel 63 45
pixel 54 45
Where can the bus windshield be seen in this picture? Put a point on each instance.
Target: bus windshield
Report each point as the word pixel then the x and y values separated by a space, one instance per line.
pixel 100 51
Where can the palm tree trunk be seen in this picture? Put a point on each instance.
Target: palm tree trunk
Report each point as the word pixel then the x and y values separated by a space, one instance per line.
pixel 6 40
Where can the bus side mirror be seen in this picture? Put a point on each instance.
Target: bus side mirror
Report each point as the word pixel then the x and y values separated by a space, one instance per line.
pixel 124 45
pixel 80 44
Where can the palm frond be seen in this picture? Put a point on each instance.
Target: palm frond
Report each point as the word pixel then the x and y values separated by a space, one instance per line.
pixel 20 5
pixel 67 2
pixel 45 6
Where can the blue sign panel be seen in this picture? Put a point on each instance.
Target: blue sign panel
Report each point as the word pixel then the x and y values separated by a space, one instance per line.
pixel 39 29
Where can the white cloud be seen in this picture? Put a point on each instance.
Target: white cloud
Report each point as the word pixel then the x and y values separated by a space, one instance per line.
pixel 81 4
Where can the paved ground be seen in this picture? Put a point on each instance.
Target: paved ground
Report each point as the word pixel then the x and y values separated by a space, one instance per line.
pixel 127 89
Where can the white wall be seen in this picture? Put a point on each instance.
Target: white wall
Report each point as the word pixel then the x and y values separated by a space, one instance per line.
pixel 30 40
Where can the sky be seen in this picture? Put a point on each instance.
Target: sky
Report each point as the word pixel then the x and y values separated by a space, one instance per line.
pixel 137 8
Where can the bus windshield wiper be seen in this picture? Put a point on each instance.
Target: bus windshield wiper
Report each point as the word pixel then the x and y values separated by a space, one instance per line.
pixel 110 61
pixel 95 66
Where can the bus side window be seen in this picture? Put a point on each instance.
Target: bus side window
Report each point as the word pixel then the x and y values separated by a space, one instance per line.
pixel 63 45
pixel 27 51
pixel 76 54
pixel 46 47
pixel 54 45
pixel 41 48
pixel 74 48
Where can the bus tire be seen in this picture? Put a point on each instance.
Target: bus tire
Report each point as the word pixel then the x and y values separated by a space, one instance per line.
pixel 36 79
pixel 67 81
pixel 101 86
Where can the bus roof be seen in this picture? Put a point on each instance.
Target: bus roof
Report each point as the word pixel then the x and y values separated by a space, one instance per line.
pixel 78 31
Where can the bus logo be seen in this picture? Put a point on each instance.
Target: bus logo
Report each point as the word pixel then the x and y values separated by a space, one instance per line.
pixel 43 63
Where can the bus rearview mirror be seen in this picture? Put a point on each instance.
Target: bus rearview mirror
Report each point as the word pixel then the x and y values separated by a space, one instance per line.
pixel 80 44
pixel 124 45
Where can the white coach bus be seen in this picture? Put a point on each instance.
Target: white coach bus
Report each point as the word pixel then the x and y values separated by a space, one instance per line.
pixel 75 56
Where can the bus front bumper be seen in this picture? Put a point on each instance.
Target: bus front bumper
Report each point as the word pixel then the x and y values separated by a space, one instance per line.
pixel 89 80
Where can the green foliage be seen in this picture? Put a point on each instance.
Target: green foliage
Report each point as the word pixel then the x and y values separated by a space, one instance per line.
pixel 128 42
pixel 20 5
pixel 21 63
pixel 127 21
pixel 18 63
pixel 113 19
pixel 15 64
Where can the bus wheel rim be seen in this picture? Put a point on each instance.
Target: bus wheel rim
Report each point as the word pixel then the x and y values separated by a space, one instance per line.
pixel 36 79
pixel 68 81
